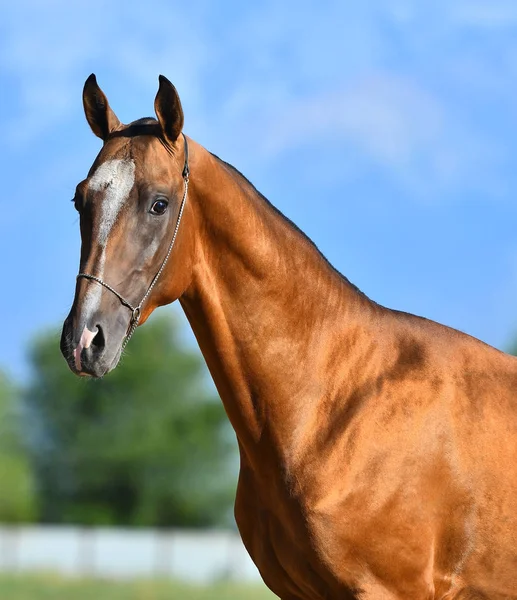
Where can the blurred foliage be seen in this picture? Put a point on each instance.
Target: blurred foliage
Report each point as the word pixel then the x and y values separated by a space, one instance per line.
pixel 41 587
pixel 146 445
pixel 17 497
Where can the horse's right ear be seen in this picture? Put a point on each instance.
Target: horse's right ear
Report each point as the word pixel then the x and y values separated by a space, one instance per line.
pixel 98 112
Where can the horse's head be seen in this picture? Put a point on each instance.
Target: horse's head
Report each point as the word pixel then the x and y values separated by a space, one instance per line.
pixel 129 206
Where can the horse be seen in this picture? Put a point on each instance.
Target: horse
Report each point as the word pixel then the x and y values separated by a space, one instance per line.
pixel 378 449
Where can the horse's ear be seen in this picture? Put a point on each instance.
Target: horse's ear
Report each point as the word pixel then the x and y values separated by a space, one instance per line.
pixel 168 109
pixel 98 112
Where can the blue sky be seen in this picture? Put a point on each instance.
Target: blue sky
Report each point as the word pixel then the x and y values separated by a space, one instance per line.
pixel 386 130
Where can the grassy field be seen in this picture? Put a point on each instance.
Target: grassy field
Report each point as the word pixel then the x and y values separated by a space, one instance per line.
pixel 50 587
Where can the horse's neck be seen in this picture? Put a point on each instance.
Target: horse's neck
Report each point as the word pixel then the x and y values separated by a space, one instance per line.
pixel 264 305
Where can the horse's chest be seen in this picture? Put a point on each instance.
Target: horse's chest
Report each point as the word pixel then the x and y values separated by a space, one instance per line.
pixel 281 545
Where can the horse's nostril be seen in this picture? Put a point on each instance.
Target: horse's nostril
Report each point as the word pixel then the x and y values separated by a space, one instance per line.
pixel 99 341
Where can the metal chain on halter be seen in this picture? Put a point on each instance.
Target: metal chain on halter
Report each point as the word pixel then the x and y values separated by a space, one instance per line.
pixel 136 310
pixel 135 318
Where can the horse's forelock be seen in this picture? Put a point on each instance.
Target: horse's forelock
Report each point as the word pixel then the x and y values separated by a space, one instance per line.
pixel 145 126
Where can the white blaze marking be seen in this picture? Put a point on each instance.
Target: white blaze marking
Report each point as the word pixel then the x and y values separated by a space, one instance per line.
pixel 92 297
pixel 116 179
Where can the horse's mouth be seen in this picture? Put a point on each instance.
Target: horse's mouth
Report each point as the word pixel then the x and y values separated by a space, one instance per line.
pixel 95 370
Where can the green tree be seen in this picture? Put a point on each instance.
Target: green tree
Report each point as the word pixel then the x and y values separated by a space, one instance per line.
pixel 17 493
pixel 146 445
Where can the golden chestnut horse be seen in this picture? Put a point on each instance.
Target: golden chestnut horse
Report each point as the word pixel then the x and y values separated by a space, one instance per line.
pixel 378 449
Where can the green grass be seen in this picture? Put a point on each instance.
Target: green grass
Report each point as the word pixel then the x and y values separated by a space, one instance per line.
pixel 53 587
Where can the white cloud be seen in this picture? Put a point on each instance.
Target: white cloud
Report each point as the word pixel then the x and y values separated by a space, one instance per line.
pixel 50 62
pixel 329 72
pixel 387 116
pixel 495 14
pixel 384 121
pixel 440 16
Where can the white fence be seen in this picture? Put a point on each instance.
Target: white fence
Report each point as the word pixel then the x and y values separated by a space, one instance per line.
pixel 126 553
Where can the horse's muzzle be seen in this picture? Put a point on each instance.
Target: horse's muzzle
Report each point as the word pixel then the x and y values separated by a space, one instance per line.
pixel 90 351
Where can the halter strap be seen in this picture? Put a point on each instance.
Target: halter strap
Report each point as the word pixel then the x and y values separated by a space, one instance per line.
pixel 137 310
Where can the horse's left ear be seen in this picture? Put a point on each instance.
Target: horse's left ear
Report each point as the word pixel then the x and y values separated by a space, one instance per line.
pixel 99 115
pixel 168 109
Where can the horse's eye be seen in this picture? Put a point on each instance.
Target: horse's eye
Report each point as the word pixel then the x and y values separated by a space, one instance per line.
pixel 159 207
pixel 77 203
